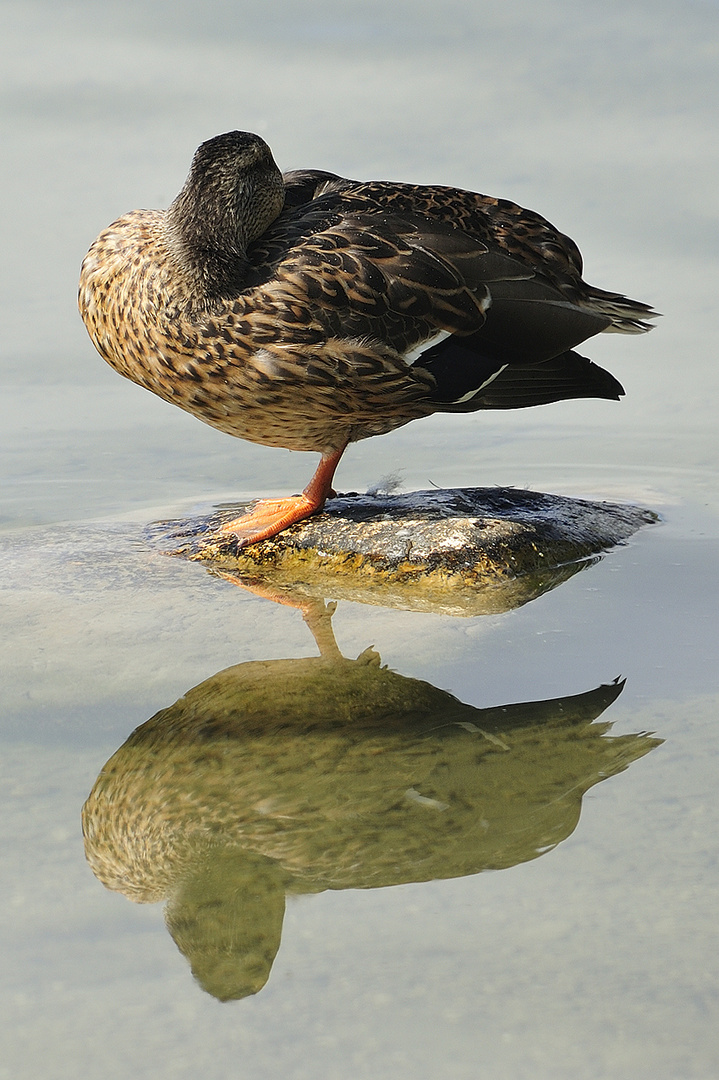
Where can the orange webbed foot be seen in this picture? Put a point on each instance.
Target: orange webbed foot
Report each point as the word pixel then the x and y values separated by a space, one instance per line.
pixel 270 516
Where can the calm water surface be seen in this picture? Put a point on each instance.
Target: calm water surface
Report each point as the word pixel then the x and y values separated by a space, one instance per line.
pixel 387 874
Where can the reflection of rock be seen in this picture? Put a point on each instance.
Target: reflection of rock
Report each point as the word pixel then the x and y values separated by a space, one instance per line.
pixel 464 551
pixel 313 774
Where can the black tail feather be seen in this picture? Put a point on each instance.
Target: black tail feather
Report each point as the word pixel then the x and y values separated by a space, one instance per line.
pixel 564 377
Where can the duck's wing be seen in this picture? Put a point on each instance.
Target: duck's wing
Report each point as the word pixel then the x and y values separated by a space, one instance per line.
pixel 451 301
pixel 379 277
pixel 524 236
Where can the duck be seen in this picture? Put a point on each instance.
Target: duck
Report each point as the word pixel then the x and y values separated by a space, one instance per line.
pixel 309 311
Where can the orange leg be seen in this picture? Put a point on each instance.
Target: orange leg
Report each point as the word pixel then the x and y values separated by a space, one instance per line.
pixel 316 613
pixel 270 516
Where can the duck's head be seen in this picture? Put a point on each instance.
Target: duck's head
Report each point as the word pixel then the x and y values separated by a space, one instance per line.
pixel 233 193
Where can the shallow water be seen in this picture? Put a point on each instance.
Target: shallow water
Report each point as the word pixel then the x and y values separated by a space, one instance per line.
pixel 442 888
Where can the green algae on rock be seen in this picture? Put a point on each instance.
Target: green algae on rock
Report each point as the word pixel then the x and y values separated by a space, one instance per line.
pixel 458 551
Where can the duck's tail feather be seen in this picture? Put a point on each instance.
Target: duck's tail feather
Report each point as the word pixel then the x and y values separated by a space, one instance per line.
pixel 627 316
pixel 562 378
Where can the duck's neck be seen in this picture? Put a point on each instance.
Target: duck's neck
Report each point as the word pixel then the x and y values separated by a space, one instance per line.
pixel 210 225
pixel 211 260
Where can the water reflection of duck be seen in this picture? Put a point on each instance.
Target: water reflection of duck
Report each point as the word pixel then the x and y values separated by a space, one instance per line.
pixel 297 776
pixel 310 311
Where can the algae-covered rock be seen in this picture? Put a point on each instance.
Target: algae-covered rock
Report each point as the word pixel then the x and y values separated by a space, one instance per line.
pixel 458 551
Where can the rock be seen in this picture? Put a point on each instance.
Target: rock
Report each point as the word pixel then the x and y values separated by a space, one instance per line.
pixel 459 551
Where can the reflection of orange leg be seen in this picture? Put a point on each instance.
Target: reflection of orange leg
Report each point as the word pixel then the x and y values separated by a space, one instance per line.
pixel 271 516
pixel 317 613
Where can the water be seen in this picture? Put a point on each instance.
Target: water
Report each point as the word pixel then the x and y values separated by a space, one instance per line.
pixel 579 937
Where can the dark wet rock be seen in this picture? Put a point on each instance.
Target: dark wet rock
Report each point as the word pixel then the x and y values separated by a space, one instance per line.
pixel 464 550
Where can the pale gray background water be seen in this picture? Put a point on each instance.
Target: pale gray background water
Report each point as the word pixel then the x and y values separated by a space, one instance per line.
pixel 598 960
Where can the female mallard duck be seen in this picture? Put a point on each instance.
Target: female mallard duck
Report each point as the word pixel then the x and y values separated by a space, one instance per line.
pixel 309 311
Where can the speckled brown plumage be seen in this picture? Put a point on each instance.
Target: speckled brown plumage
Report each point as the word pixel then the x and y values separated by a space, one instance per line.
pixel 309 311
